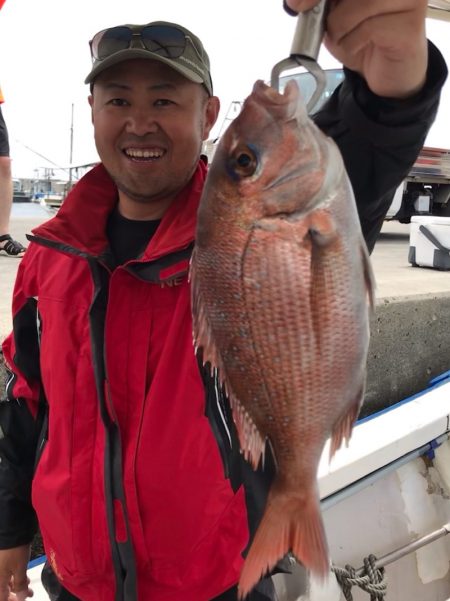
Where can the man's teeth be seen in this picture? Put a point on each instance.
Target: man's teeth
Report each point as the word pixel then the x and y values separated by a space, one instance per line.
pixel 143 154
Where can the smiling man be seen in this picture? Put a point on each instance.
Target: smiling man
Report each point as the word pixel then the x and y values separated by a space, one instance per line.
pixel 112 436
pixel 150 122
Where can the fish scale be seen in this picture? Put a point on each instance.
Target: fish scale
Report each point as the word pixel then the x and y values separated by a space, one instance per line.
pixel 281 292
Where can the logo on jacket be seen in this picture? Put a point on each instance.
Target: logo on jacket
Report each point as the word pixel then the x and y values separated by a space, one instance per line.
pixel 52 560
pixel 176 281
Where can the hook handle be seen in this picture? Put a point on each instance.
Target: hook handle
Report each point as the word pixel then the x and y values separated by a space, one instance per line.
pixel 309 32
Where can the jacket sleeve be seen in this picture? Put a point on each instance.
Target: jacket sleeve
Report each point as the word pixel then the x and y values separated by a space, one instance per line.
pixel 380 138
pixel 22 409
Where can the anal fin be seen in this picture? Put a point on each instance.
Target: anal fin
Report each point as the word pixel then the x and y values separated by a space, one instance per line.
pixel 342 429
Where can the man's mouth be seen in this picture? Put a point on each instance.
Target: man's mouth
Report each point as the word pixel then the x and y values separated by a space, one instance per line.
pixel 144 154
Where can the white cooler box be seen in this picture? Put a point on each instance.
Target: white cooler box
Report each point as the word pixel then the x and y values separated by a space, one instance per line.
pixel 429 242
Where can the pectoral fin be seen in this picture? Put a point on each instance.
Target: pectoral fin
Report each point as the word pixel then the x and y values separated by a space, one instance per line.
pixel 322 228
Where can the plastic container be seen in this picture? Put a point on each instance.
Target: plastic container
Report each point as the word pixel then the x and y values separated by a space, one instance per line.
pixel 429 242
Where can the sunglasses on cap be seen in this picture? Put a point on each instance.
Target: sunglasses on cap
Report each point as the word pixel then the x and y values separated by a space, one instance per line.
pixel 164 40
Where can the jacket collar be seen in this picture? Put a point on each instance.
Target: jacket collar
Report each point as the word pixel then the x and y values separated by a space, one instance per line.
pixel 81 221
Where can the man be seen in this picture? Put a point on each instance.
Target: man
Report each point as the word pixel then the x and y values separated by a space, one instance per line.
pixel 139 487
pixel 8 246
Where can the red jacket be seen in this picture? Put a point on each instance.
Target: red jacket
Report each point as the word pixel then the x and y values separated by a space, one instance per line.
pixel 130 453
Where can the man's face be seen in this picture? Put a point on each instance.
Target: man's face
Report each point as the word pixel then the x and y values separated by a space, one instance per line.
pixel 149 124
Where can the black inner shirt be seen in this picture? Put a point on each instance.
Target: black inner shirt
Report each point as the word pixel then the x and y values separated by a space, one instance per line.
pixel 128 238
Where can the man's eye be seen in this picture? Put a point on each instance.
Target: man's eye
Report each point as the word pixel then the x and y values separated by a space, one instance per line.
pixel 117 102
pixel 163 102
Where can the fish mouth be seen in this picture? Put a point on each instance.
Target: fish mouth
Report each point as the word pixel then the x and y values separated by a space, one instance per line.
pixel 285 104
pixel 144 155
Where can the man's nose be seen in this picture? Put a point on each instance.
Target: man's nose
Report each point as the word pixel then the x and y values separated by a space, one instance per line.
pixel 141 122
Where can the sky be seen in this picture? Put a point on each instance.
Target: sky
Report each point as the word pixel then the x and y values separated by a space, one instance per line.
pixel 44 58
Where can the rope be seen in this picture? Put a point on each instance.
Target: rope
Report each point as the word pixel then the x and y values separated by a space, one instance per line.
pixel 371 579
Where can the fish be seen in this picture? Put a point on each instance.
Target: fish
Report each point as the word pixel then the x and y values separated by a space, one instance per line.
pixel 281 294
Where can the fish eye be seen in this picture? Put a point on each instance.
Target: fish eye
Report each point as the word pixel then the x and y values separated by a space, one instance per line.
pixel 244 161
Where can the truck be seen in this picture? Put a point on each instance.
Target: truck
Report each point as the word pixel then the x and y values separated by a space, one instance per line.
pixel 425 190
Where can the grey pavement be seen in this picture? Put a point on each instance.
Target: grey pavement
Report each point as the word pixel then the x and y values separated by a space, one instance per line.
pixel 24 217
pixel 395 277
pixel 410 334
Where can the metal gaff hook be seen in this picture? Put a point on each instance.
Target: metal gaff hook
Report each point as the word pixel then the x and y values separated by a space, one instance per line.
pixel 305 48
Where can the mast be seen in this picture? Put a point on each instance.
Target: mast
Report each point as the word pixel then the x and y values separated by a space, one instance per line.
pixel 71 149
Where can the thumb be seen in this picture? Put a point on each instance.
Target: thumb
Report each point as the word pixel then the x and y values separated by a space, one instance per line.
pixel 293 7
pixel 20 586
pixel 22 595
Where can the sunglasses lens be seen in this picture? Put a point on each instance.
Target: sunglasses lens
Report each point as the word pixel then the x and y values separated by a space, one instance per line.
pixel 168 42
pixel 112 40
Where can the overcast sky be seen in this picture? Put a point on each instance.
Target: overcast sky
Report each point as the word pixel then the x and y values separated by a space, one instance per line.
pixel 44 58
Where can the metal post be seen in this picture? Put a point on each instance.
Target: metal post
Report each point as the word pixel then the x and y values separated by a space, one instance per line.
pixel 410 548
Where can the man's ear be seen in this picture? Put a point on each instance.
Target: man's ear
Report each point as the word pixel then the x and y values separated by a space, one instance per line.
pixel 212 108
pixel 91 104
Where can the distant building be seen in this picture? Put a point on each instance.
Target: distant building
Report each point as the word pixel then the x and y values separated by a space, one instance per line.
pixel 47 189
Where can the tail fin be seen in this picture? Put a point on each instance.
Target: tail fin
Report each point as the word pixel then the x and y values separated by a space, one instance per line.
pixel 290 523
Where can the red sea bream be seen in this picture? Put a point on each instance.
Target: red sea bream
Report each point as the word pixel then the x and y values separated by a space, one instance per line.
pixel 281 294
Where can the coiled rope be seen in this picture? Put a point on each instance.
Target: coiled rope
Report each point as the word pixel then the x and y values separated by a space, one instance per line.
pixel 369 579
